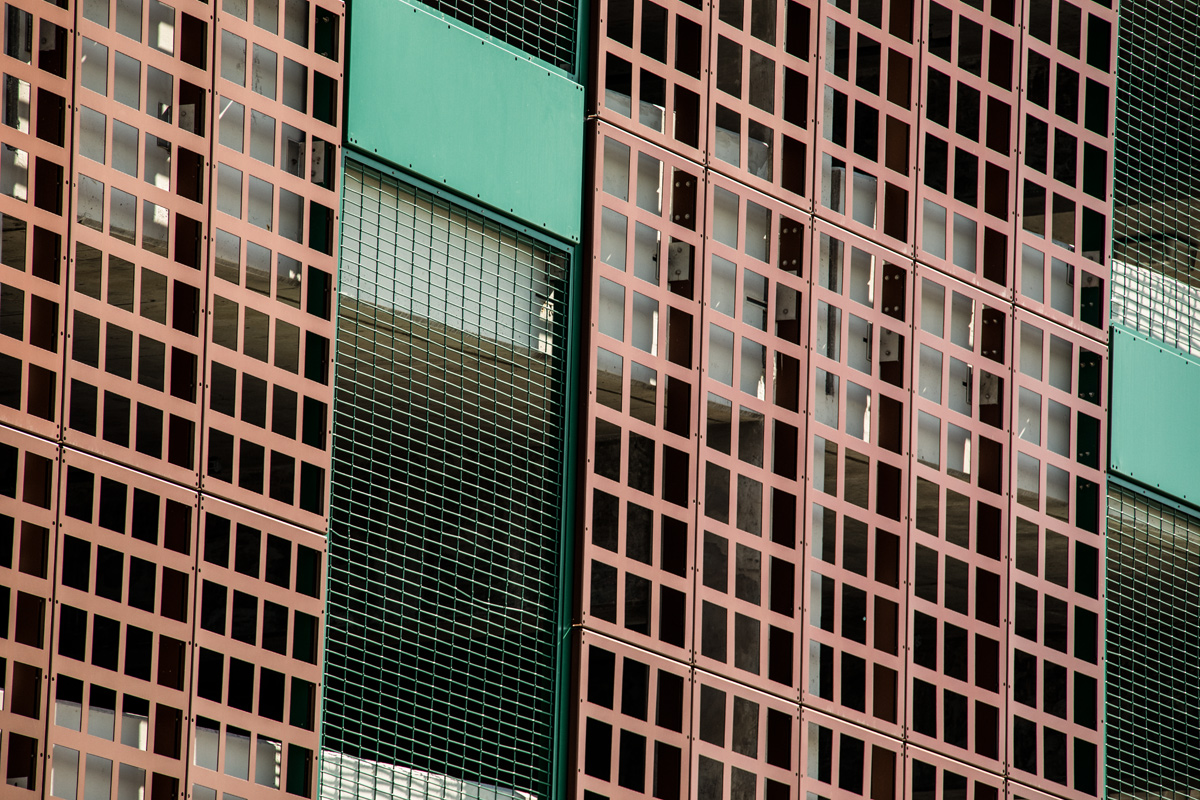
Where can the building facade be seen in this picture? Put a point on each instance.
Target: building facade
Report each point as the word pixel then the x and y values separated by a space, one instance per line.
pixel 644 398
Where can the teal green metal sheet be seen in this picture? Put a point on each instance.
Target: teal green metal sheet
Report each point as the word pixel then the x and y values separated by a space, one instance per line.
pixel 1154 435
pixel 470 114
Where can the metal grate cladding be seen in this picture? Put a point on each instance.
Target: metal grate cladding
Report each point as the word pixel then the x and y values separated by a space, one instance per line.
pixel 1156 220
pixel 1153 631
pixel 444 545
pixel 546 29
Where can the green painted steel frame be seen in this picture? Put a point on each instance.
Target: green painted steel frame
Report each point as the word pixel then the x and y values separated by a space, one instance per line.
pixel 439 100
pixel 1154 439
pixel 560 773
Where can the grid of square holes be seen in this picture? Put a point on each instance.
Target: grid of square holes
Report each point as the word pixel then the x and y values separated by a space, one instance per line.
pixel 968 145
pixel 260 593
pixel 36 87
pixel 751 396
pixel 29 497
pixel 142 98
pixel 1065 205
pixel 122 631
pixel 647 306
pixel 1057 527
pixel 912 434
pixel 275 175
pixel 867 121
pixel 761 96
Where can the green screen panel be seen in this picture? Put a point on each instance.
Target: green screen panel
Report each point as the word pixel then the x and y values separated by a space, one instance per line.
pixel 1154 438
pixel 447 493
pixel 1153 642
pixel 435 99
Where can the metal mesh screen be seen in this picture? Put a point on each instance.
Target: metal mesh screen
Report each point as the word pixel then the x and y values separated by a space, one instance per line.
pixel 545 29
pixel 1156 222
pixel 1153 648
pixel 444 545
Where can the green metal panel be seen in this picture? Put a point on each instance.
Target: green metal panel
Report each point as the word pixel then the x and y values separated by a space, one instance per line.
pixel 471 114
pixel 1154 438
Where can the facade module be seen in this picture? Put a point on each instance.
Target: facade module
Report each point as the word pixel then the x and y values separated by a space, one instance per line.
pixel 664 398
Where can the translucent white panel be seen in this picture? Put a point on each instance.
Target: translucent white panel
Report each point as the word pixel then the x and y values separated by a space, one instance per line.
pixel 237 753
pixel 295 21
pixel 229 190
pixel 133 729
pixel 753 374
pixel 208 743
pixel 725 217
pixel 720 355
pixel 958 451
pixel 262 137
pixel 830 263
pixel 862 276
pixel 1028 478
pixel 125 141
pixel 1058 492
pixel 236 8
pixel 131 783
pixel 160 94
pixel 1058 428
pixel 97 779
pixel 758 231
pixel 933 229
pixel 68 714
pixel 233 58
pixel 16 103
pixel 266 15
pixel 859 347
pixel 1031 351
pixel 858 411
pixel 1060 363
pixel 929 440
pixel 93 129
pixel 14 173
pixel 649 183
pixel 93 61
pixel 232 120
pixel 613 230
pixel 646 246
pixel 865 191
pixel 89 204
pixel 96 11
pixel 268 758
pixel 158 162
pixel 930 381
pixel 827 398
pixel 616 168
pixel 155 227
pixel 933 302
pixel 833 184
pixel 261 203
pixel 266 65
pixel 829 330
pixel 129 19
pixel 612 309
pixel 723 286
pixel 162 27
pixel 958 387
pixel 754 299
pixel 1029 416
pixel 962 321
pixel 1032 277
pixel 295 85
pixel 291 215
pixel 645 323
pixel 64 773
pixel 127 81
pixel 965 231
pixel 1062 286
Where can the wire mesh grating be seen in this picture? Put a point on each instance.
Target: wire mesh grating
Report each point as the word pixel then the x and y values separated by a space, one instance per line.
pixel 1153 646
pixel 448 442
